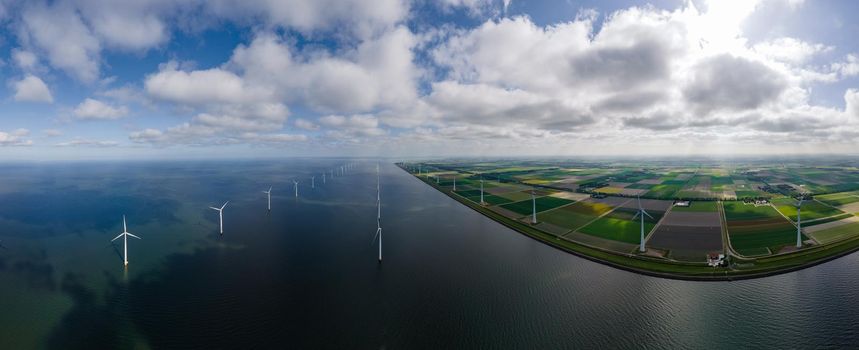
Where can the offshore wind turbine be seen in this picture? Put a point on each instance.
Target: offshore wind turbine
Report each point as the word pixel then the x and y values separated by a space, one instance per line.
pixel 323 177
pixel 378 213
pixel 313 182
pixel 221 215
pixel 642 213
pixel 269 197
pixel 296 187
pixel 124 236
pixel 799 222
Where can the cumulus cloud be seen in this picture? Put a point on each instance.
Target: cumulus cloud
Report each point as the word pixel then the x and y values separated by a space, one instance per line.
pixel 733 83
pixel 202 86
pixel 355 125
pixel 378 73
pixel 851 101
pixel 305 124
pixel 52 132
pixel 95 109
pixel 24 59
pixel 79 142
pixel 59 31
pixel 790 50
pixel 15 138
pixel 32 89
pixel 360 18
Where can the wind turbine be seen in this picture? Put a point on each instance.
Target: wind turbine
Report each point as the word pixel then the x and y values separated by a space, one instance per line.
pixel 124 236
pixel 313 182
pixel 269 197
pixel 481 191
pixel 642 213
pixel 323 177
pixel 534 206
pixel 221 215
pixel 378 214
pixel 454 182
pixel 296 187
pixel 799 222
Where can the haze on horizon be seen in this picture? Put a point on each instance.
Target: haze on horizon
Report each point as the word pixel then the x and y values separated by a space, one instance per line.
pixel 91 79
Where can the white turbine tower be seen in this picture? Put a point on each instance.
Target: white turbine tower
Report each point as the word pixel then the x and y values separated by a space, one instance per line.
pixel 799 222
pixel 295 182
pixel 269 197
pixel 124 236
pixel 378 214
pixel 323 177
pixel 221 215
pixel 454 182
pixel 481 191
pixel 534 207
pixel 313 182
pixel 642 213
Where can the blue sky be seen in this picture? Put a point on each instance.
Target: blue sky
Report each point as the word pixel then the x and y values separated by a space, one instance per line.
pixel 151 79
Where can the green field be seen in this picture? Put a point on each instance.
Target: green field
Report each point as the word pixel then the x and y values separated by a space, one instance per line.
pixel 619 225
pixel 751 229
pixel 575 215
pixel 663 191
pixel 490 199
pixel 698 206
pixel 543 204
pixel 838 200
pixel 468 193
pixel 622 230
pixel 810 209
pixel 836 233
pixel 735 211
pixel 516 196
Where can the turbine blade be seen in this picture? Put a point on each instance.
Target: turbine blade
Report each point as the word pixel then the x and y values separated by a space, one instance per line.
pixel 376 236
pixel 133 235
pixel 636 215
pixel 213 208
pixel 645 213
pixel 269 188
pixel 225 204
pixel 120 235
pixel 124 229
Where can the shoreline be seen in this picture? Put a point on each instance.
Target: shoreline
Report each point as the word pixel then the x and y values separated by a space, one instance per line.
pixel 697 272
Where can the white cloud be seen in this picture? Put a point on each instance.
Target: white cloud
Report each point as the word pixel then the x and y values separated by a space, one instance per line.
pixel 361 125
pixel 273 138
pixel 851 101
pixel 52 132
pixel 15 138
pixel 379 73
pixel 95 109
pixel 202 86
pixel 59 31
pixel 360 18
pixel 847 68
pixel 790 50
pixel 24 59
pixel 305 124
pixel 128 25
pixel 32 89
pixel 78 142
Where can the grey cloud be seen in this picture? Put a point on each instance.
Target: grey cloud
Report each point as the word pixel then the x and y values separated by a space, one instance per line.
pixel 630 101
pixel 732 83
pixel 623 67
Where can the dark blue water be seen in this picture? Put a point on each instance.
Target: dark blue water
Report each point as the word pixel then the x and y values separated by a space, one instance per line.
pixel 306 275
